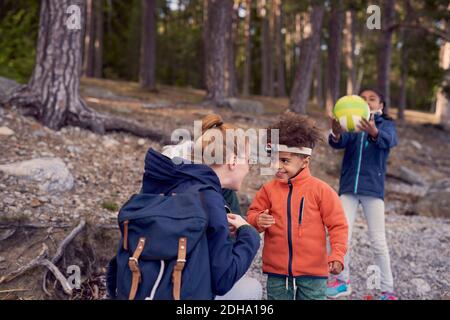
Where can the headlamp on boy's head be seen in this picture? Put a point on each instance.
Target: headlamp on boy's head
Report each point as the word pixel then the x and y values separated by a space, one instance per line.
pixel 284 148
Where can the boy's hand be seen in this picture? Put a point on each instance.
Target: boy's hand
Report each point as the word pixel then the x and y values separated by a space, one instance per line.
pixel 265 220
pixel 335 267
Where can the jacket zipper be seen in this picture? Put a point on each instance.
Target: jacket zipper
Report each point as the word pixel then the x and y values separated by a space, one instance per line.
pixel 289 226
pixel 359 163
pixel 300 219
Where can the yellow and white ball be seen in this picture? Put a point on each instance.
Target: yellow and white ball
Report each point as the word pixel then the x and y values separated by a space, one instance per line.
pixel 349 110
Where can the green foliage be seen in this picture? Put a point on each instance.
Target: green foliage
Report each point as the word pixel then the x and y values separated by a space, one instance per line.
pixel 111 206
pixel 18 38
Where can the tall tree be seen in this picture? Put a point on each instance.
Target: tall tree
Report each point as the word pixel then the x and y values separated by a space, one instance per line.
pixel 266 49
pixel 52 93
pixel 248 48
pixel 279 48
pixel 147 72
pixel 443 95
pixel 219 82
pixel 334 54
pixel 309 50
pixel 405 35
pixel 385 50
pixel 349 50
pixel 93 39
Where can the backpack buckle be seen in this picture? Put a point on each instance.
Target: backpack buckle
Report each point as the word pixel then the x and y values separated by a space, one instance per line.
pixel 133 264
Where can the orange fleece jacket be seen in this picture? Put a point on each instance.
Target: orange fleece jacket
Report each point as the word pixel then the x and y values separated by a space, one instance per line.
pixel 302 207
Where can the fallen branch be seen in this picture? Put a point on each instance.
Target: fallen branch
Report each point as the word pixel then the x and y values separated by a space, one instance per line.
pixel 60 251
pixel 32 264
pixel 13 290
pixel 40 260
pixel 32 225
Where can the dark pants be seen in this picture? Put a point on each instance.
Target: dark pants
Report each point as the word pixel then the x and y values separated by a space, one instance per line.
pixel 308 288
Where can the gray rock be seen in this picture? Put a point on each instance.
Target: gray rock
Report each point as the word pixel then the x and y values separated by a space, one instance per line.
pixel 406 189
pixel 421 285
pixel 7 86
pixel 2 259
pixel 109 142
pixel 5 131
pixel 157 104
pixel 411 177
pixel 246 106
pixel 416 144
pixel 436 203
pixel 8 201
pixel 51 174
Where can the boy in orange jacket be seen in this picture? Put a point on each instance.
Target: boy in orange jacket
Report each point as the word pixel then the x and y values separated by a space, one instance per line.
pixel 293 210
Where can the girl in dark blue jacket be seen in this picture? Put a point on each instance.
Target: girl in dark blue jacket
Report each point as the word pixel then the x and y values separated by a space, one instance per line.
pixel 362 181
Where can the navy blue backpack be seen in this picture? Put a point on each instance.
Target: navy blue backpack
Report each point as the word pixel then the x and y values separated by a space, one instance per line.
pixel 159 251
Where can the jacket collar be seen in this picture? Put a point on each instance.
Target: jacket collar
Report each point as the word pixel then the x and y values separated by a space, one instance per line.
pixel 299 178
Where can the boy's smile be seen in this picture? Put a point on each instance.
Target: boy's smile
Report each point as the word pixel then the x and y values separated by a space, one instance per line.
pixel 288 165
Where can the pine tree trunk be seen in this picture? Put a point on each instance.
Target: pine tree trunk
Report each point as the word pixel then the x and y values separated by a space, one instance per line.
pixel 98 44
pixel 309 50
pixel 266 50
pixel 220 84
pixel 318 82
pixel 385 51
pixel 404 57
pixel 279 45
pixel 443 95
pixel 349 50
pixel 248 49
pixel 148 45
pixel 234 47
pixel 52 93
pixel 334 54
pixel 89 40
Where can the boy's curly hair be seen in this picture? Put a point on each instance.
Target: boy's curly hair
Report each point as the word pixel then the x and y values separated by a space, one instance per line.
pixel 297 130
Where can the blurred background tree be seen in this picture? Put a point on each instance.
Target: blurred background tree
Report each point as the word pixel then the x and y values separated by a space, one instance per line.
pixel 268 38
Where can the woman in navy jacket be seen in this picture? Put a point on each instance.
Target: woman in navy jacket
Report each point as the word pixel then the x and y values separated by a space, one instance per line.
pixel 362 181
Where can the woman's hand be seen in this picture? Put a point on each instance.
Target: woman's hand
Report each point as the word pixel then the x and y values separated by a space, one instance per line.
pixel 265 220
pixel 235 221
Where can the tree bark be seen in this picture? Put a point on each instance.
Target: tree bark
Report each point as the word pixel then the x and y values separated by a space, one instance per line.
pixel 266 50
pixel 404 56
pixel 93 39
pixel 309 49
pixel 52 93
pixel 148 45
pixel 443 95
pixel 248 48
pixel 334 54
pixel 89 39
pixel 98 44
pixel 385 51
pixel 219 83
pixel 349 50
pixel 318 82
pixel 279 46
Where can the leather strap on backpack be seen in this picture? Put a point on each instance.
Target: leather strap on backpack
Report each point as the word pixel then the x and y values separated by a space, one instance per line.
pixel 178 269
pixel 125 235
pixel 133 264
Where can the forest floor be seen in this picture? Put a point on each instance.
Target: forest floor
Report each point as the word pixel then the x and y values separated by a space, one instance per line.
pixel 108 169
